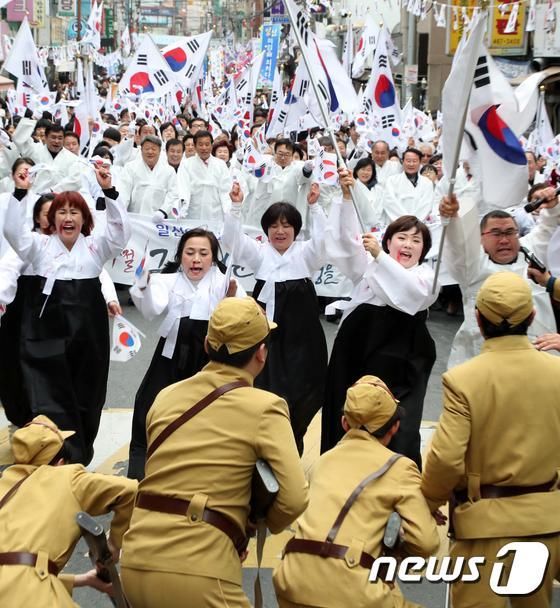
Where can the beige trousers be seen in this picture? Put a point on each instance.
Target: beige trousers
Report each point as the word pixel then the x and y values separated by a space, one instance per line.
pixel 146 589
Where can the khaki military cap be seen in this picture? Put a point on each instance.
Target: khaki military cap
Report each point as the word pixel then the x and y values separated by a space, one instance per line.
pixel 238 323
pixel 38 442
pixel 505 296
pixel 369 404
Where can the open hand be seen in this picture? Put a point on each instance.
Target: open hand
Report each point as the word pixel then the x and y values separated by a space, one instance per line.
pixel 313 195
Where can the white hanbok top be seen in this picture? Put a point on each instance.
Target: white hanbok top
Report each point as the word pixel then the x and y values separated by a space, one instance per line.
pixel 144 190
pixel 204 188
pixel 400 197
pixel 380 281
pixel 177 296
pixel 299 261
pixel 49 256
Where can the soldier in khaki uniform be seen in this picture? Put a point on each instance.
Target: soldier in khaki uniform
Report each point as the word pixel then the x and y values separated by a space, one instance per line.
pixel 496 447
pixel 334 574
pixel 186 540
pixel 38 508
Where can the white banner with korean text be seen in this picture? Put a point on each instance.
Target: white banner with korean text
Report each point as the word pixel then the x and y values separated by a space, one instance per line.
pixel 163 238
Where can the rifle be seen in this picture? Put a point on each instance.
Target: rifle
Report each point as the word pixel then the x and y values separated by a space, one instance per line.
pixel 101 556
pixel 263 493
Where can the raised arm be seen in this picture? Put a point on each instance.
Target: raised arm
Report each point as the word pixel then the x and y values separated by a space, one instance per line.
pixel 243 248
pixel 27 244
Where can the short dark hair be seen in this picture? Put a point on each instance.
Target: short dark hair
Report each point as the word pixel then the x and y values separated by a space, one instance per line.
pixel 53 128
pixel 188 135
pixel 104 152
pixel 174 142
pixel 277 211
pixel 535 188
pixel 113 134
pixel 239 359
pixel 284 141
pixel 166 125
pixel 413 151
pixel 42 123
pixel 44 198
pixel 200 119
pixel 23 160
pixel 498 214
pixel 222 143
pixel 361 164
pixel 72 134
pixel 404 223
pixel 202 134
pixel 504 328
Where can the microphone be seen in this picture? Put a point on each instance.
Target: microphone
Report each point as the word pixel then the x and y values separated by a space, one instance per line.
pixel 530 207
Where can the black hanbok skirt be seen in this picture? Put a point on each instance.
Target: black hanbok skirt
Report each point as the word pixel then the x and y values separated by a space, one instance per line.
pixel 297 359
pixel 396 347
pixel 64 355
pixel 188 359
pixel 13 395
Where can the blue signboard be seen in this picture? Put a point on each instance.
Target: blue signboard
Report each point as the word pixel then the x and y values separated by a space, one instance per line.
pixel 270 45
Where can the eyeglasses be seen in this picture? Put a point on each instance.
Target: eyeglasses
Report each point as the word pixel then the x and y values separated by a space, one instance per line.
pixel 498 234
pixel 283 154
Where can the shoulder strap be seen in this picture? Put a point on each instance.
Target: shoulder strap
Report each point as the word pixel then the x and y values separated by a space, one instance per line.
pixel 352 498
pixel 193 411
pixel 12 491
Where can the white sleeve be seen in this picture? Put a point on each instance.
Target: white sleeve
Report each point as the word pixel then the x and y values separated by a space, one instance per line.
pixel 154 299
pixel 368 203
pixel 406 290
pixel 462 250
pixel 108 287
pixel 245 250
pixel 24 142
pixel 172 200
pixel 122 152
pixel 314 252
pixel 183 187
pixel 343 240
pixel 117 231
pixel 27 244
pixel 538 239
pixel 11 267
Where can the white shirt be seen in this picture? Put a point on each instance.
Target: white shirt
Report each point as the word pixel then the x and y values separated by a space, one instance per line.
pixel 400 197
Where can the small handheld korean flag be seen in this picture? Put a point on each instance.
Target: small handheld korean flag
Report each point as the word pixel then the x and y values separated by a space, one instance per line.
pixel 126 340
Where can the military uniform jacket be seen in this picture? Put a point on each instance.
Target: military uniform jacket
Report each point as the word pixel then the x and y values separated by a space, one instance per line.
pixel 41 518
pixel 308 579
pixel 500 426
pixel 212 457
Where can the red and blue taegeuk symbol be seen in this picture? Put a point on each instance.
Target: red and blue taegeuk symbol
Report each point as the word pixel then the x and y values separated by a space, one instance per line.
pixel 176 58
pixel 140 83
pixel 126 339
pixel 384 92
pixel 44 100
pixel 500 137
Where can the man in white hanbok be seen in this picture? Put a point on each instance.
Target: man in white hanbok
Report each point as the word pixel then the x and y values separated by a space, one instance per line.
pixel 281 183
pixel 408 193
pixel 384 168
pixel 148 185
pixel 204 182
pixel 473 252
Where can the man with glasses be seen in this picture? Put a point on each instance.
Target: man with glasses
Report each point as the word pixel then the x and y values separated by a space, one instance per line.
pixel 470 264
pixel 281 182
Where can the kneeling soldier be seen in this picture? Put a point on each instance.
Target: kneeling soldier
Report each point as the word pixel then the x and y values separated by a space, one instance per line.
pixel 354 489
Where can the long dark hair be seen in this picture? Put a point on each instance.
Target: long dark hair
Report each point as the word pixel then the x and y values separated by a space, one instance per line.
pixel 171 267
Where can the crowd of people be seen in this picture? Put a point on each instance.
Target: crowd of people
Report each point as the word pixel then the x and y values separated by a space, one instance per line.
pixel 262 362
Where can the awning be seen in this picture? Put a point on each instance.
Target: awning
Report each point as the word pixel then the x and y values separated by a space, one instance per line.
pixel 6 83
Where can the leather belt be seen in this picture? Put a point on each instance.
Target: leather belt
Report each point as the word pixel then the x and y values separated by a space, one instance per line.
pixel 325 549
pixel 505 491
pixel 179 506
pixel 22 558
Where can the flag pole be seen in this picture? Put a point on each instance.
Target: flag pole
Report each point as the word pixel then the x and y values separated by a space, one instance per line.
pixel 321 105
pixel 456 153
